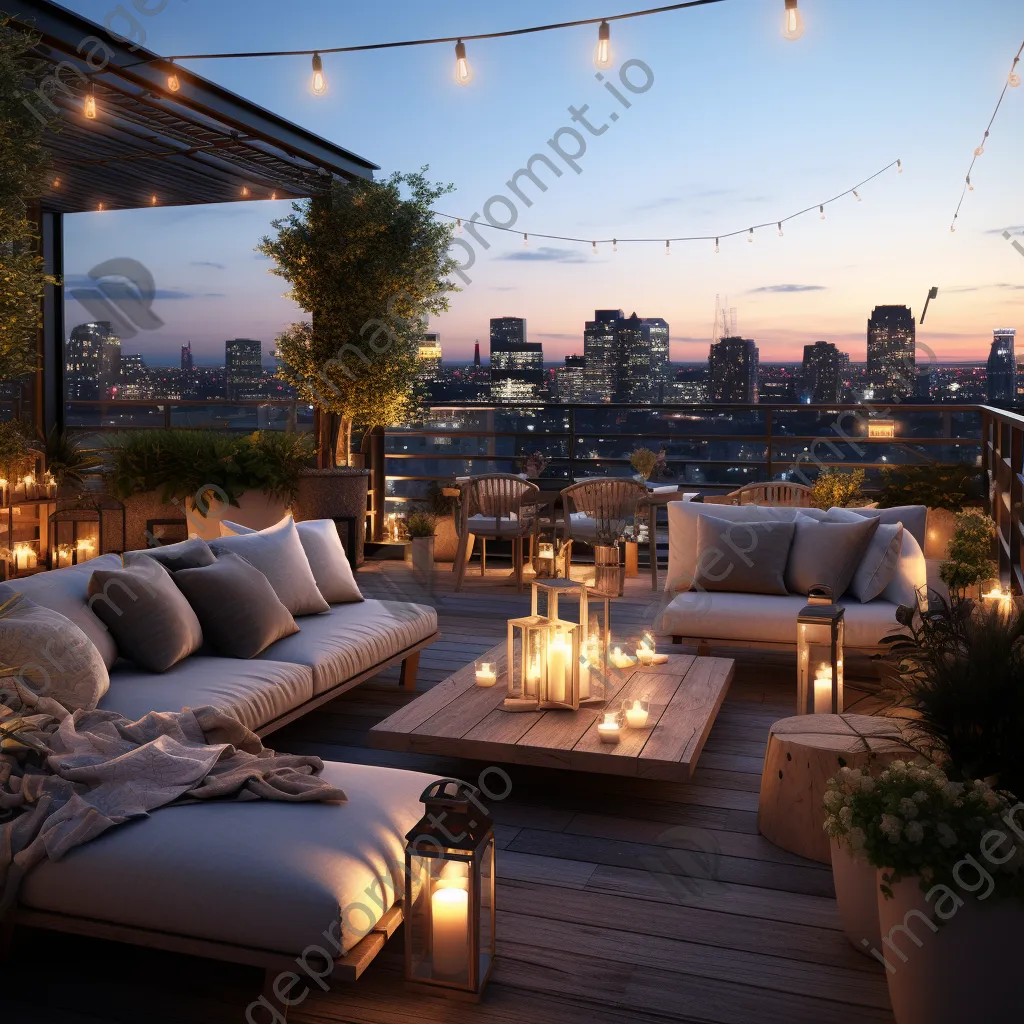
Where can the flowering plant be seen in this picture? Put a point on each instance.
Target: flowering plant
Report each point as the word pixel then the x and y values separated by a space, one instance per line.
pixel 534 464
pixel 643 460
pixel 915 822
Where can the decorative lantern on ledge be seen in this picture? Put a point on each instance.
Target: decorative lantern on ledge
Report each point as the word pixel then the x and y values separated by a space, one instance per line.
pixel 819 650
pixel 449 893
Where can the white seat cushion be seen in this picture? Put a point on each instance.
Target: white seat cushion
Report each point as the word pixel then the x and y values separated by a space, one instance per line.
pixel 352 638
pixel 255 691
pixel 767 618
pixel 260 874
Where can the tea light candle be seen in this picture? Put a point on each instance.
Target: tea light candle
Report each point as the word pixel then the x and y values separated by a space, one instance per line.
pixel 645 656
pixel 485 674
pixel 25 557
pixel 636 716
pixel 450 930
pixel 621 660
pixel 609 729
pixel 823 690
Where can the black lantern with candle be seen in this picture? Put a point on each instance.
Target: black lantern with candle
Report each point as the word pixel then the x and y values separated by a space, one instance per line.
pixel 449 892
pixel 819 650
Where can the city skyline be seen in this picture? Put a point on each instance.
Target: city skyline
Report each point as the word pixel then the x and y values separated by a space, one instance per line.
pixel 815 124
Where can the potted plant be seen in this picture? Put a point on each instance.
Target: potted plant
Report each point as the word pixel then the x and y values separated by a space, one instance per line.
pixel 534 465
pixel 835 489
pixel 420 527
pixel 369 264
pixel 644 461
pixel 205 476
pixel 970 561
pixel 443 504
pixel 66 461
pixel 944 488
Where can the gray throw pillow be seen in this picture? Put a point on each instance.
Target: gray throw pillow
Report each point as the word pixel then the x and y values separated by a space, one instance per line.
pixel 236 605
pixel 47 654
pixel 826 554
pixel 325 554
pixel 278 554
pixel 149 618
pixel 742 558
pixel 187 554
pixel 878 566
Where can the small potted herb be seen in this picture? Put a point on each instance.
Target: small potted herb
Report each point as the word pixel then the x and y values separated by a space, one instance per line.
pixel 421 527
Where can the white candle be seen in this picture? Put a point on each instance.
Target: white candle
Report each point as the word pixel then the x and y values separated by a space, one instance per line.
pixel 559 653
pixel 645 655
pixel 450 928
pixel 636 716
pixel 620 660
pixel 609 729
pixel 486 675
pixel 823 690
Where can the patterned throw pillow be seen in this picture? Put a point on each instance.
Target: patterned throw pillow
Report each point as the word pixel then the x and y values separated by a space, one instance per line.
pixel 45 652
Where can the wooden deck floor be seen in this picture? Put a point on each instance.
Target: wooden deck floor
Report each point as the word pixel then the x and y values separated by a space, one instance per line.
pixel 620 900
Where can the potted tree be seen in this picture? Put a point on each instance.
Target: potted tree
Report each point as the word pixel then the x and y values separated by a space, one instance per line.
pixel 970 561
pixel 420 526
pixel 944 488
pixel 369 264
pixel 443 503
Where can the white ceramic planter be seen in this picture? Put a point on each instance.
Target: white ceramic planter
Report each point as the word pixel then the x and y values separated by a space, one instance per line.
pixel 422 554
pixel 255 509
pixel 857 894
pixel 967 970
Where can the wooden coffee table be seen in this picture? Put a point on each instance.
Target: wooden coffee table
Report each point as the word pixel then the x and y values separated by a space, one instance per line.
pixel 460 719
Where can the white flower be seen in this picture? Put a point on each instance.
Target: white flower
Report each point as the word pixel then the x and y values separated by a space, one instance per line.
pixel 947 837
pixel 991 799
pixel 908 808
pixel 831 825
pixel 857 839
pixel 914 831
pixel 846 816
pixel 867 784
pixel 833 800
pixel 892 827
pixel 952 791
pixel 898 766
pixel 920 797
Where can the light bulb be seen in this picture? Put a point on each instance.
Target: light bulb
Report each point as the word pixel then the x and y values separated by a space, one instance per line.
pixel 458 225
pixel 99 207
pixel 463 72
pixel 856 195
pixel 970 187
pixel 594 244
pixel 821 212
pixel 603 53
pixel 173 82
pixel 780 229
pixel 319 82
pixel 668 247
pixel 152 200
pixel 793 21
pixel 526 240
pixel 56 182
pixel 90 104
pixel 899 166
pixel 750 237
pixel 1014 77
pixel 979 151
pixel 245 190
pixel 716 245
pixel 273 195
pixel 615 245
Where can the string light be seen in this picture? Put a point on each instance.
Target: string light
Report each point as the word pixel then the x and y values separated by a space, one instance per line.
pixel 245 190
pixel 56 183
pixel 615 245
pixel 793 21
pixel 594 244
pixel 152 200
pixel 857 196
pixel 603 53
pixel 821 212
pixel 716 245
pixel 319 83
pixel 463 72
pixel 899 166
pixel 980 151
pixel 750 237
pixel 90 103
pixel 970 187
pixel 526 240
pixel 1014 80
pixel 99 207
pixel 173 82
pixel 780 229
pixel 668 247
pixel 458 226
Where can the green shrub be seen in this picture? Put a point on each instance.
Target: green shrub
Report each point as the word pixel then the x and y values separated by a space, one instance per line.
pixel 836 489
pixel 970 553
pixel 421 524
pixel 936 485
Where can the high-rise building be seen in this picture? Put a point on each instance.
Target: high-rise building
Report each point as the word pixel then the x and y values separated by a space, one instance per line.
pixel 571 380
pixel 187 363
pixel 428 357
pixel 821 373
pixel 626 357
pixel 892 333
pixel 732 371
pixel 657 336
pixel 92 362
pixel 476 355
pixel 1002 367
pixel 517 365
pixel 599 353
pixel 243 368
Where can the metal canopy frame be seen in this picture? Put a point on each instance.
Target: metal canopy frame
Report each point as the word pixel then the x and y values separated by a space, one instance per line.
pixel 149 146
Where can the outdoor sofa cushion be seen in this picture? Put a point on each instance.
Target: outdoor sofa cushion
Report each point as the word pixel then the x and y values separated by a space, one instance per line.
pixel 827 553
pixel 67 591
pixel 352 638
pixel 254 691
pixel 275 876
pixel 193 553
pixel 277 552
pixel 745 557
pixel 760 618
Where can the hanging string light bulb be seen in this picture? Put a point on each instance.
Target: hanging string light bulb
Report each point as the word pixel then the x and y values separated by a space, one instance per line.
pixel 594 249
pixel 668 247
pixel 458 226
pixel 793 21
pixel 615 245
pixel 1014 79
pixel 56 183
pixel 603 53
pixel 245 190
pixel 173 82
pixel 780 229
pixel 90 103
pixel 981 149
pixel 526 240
pixel 899 166
pixel 716 245
pixel 857 196
pixel 750 237
pixel 319 83
pixel 463 72
pixel 970 187
pixel 821 212
pixel 152 200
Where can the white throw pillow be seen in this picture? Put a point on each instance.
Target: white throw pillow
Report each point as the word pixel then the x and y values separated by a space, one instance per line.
pixel 278 553
pixel 325 554
pixel 48 654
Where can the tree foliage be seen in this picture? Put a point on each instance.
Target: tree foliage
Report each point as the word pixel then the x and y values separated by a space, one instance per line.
pixel 369 265
pixel 970 553
pixel 835 489
pixel 23 166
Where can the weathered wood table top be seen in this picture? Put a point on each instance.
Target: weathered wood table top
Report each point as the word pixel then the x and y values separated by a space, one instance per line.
pixel 460 719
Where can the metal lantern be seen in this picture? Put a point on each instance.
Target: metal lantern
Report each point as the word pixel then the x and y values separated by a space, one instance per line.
pixel 819 649
pixel 595 631
pixel 449 892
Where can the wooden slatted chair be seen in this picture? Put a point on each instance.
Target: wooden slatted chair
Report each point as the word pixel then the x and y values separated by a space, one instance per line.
pixel 774 492
pixel 602 506
pixel 496 506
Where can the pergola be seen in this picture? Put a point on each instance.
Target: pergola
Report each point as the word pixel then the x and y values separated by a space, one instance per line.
pixel 149 146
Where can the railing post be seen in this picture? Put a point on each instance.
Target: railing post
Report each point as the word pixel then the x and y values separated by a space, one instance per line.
pixel 1016 496
pixel 378 482
pixel 768 441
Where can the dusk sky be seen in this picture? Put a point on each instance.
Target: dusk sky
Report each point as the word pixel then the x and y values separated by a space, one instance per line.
pixel 739 127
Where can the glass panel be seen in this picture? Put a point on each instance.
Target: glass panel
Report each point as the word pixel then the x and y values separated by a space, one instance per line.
pixel 802 456
pixel 691 421
pixel 551 419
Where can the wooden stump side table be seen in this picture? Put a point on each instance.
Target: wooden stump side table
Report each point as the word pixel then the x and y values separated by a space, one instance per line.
pixel 803 754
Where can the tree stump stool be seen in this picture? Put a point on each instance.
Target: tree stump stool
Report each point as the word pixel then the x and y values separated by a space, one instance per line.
pixel 803 754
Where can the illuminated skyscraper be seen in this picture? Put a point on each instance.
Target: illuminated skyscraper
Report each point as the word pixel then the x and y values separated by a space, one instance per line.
pixel 626 357
pixel 732 371
pixel 428 357
pixel 892 333
pixel 821 375
pixel 517 365
pixel 1002 368
pixel 243 368
pixel 92 362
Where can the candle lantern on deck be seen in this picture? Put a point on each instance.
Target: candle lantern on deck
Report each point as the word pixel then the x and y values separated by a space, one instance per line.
pixel 449 893
pixel 595 631
pixel 526 661
pixel 819 650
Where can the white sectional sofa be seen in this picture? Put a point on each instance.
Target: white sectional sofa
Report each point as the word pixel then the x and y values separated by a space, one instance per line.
pixel 753 620
pixel 259 883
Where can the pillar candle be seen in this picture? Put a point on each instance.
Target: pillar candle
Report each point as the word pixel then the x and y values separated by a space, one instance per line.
pixel 559 653
pixel 823 690
pixel 450 926
pixel 485 675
